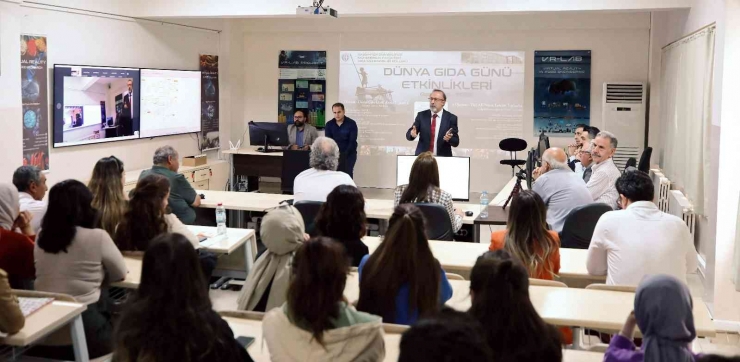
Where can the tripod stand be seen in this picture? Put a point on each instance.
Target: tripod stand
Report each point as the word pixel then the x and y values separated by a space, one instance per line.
pixel 516 189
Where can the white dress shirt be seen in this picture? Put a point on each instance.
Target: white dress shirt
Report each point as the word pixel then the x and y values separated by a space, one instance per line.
pixel 601 185
pixel 35 207
pixel 315 185
pixel 437 126
pixel 641 240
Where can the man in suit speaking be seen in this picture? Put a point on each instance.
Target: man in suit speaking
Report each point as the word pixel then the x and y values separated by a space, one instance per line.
pixel 437 128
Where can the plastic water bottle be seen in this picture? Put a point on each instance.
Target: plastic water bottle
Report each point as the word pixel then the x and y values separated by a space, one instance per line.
pixel 221 219
pixel 484 204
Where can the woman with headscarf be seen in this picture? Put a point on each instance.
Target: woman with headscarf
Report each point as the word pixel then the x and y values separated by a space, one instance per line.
pixel 663 311
pixel 16 249
pixel 267 283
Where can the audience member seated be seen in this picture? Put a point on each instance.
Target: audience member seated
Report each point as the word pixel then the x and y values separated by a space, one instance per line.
pixel 301 135
pixel 316 324
pixel 449 336
pixel 319 180
pixel 342 218
pixel 663 311
pixel 31 185
pixel 587 162
pixel 72 257
pixel 499 292
pixel 604 172
pixel 183 198
pixel 11 316
pixel 267 283
pixel 106 185
pixel 423 186
pixel 574 147
pixel 640 240
pixel 402 281
pixel 526 237
pixel 560 188
pixel 16 249
pixel 588 134
pixel 170 317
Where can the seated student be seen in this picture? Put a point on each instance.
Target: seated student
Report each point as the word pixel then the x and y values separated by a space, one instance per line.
pixel 170 317
pixel 402 281
pixel 640 239
pixel 499 292
pixel 316 324
pixel 423 186
pixel 11 316
pixel 72 257
pixel 604 172
pixel 526 237
pixel 318 181
pixel 449 336
pixel 31 185
pixel 106 185
pixel 663 311
pixel 282 233
pixel 183 198
pixel 587 162
pixel 342 218
pixel 575 162
pixel 16 249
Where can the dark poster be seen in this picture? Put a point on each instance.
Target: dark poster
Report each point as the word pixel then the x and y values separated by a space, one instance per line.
pixel 209 102
pixel 34 100
pixel 562 91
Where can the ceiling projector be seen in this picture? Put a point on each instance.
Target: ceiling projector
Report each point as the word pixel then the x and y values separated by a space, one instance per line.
pixel 317 10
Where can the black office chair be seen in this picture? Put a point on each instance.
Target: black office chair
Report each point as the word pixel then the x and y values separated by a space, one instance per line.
pixel 580 224
pixel 644 165
pixel 513 145
pixel 630 165
pixel 438 223
pixel 309 210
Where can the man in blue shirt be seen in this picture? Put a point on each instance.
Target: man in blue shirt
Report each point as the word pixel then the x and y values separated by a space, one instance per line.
pixel 343 130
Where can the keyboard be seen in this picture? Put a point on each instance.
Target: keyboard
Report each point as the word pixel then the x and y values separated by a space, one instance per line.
pixel 31 305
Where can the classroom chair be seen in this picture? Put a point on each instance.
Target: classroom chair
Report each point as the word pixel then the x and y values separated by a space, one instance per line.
pixel 547 283
pixel 580 224
pixel 438 223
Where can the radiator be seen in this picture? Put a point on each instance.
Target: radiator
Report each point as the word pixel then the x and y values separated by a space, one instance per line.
pixel 680 206
pixel 662 190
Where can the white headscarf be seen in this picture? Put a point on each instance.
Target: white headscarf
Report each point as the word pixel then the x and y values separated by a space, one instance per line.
pixel 9 205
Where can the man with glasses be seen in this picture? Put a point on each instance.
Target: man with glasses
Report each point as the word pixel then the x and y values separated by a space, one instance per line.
pixel 301 134
pixel 584 155
pixel 436 127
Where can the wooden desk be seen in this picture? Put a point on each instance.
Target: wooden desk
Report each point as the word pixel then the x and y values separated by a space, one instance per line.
pixel 249 162
pixel 49 319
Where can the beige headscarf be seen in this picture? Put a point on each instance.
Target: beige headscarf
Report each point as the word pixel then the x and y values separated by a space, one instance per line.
pixel 9 205
pixel 282 233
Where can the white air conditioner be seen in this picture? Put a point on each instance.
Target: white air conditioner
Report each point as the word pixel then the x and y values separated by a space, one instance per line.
pixel 623 113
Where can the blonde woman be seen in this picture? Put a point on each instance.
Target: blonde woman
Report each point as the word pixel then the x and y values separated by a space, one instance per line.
pixel 106 186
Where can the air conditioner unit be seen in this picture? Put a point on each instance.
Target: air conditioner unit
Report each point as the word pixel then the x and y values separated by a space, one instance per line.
pixel 623 113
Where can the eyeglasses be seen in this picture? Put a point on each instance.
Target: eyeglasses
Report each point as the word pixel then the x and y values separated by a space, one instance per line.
pixel 431 99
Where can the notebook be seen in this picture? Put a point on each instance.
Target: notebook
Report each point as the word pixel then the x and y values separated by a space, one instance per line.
pixel 31 305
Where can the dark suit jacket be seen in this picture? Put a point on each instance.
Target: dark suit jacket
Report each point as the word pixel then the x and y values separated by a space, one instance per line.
pixel 423 123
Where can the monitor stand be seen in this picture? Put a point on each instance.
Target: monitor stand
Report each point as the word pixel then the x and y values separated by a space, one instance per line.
pixel 267 149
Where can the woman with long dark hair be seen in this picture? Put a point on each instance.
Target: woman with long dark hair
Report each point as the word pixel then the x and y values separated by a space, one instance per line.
pixel 342 217
pixel 402 281
pixel 423 186
pixel 170 317
pixel 315 323
pixel 499 290
pixel 72 257
pixel 106 185
pixel 526 236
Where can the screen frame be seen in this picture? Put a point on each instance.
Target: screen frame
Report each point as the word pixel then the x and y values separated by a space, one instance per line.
pixel 453 197
pixel 200 120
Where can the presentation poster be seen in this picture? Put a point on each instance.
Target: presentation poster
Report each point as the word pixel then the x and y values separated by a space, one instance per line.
pixel 383 91
pixel 302 64
pixel 209 102
pixel 562 91
pixel 34 101
pixel 302 85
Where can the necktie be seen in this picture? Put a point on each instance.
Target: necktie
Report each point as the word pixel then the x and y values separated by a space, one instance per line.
pixel 434 128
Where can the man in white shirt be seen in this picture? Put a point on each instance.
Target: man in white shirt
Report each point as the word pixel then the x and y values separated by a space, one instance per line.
pixel 584 155
pixel 31 185
pixel 639 240
pixel 317 182
pixel 604 173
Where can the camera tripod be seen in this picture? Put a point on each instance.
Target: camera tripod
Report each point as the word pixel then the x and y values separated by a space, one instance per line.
pixel 517 187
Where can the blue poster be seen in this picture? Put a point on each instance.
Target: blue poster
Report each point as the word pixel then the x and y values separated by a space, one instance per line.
pixel 562 91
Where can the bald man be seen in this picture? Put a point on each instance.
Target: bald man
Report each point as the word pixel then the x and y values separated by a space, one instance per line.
pixel 560 188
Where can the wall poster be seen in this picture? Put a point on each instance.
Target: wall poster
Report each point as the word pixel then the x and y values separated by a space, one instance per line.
pixel 34 100
pixel 562 91
pixel 302 85
pixel 209 109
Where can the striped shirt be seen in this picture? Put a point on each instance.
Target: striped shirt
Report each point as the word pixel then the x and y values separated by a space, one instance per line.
pixel 434 196
pixel 602 182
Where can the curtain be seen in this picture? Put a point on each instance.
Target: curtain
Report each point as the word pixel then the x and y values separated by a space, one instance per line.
pixel 686 113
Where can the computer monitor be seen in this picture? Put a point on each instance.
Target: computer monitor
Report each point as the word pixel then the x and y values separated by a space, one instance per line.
pixel 294 162
pixel 454 174
pixel 268 134
pixel 542 145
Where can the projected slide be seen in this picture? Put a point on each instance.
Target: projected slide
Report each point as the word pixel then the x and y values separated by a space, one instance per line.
pixel 170 102
pixel 383 90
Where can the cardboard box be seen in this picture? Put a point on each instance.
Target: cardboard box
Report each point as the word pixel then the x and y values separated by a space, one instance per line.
pixel 193 161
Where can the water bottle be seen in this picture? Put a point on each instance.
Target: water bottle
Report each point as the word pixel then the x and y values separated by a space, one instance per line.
pixel 484 204
pixel 221 219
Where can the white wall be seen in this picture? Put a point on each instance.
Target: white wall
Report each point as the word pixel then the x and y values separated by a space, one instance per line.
pixel 10 90
pixel 619 44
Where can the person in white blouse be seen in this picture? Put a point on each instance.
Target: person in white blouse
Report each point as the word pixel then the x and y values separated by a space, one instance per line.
pixel 640 240
pixel 604 172
pixel 318 181
pixel 31 185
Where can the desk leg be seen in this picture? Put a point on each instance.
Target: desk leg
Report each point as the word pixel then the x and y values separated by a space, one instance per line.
pixel 577 338
pixel 250 250
pixel 79 343
pixel 476 233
